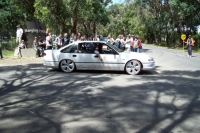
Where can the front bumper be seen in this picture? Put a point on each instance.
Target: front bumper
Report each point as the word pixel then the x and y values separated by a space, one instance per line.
pixel 149 65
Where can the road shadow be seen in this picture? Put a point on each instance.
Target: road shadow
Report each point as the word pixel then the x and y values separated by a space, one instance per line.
pixel 143 72
pixel 40 100
pixel 145 50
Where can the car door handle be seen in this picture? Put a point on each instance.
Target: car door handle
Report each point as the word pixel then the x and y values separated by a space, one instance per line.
pixel 74 55
pixel 96 56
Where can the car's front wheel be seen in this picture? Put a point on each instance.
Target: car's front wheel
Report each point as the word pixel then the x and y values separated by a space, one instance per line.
pixel 67 65
pixel 133 67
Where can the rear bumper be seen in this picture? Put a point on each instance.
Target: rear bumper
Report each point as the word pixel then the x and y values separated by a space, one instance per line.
pixel 149 66
pixel 52 64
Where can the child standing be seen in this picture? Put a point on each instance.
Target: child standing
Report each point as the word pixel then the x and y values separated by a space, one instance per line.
pixel 21 46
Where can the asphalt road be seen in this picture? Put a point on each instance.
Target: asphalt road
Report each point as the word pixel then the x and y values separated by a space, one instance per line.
pixel 34 99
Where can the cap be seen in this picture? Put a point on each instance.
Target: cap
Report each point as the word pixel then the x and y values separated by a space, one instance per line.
pixel 39 36
pixel 190 35
pixel 18 26
pixel 35 37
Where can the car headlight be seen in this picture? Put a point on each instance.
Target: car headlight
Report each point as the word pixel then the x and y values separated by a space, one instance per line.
pixel 150 59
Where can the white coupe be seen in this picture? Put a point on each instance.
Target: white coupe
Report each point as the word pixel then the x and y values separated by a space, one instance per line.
pixel 80 55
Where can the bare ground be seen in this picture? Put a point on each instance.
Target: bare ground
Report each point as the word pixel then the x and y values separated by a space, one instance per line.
pixel 13 60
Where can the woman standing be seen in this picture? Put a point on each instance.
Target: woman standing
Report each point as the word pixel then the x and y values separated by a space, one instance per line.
pixel 135 45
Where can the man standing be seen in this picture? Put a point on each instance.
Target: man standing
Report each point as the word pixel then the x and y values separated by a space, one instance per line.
pixel 59 41
pixel 190 42
pixel 49 42
pixel 19 33
pixel 117 42
pixel 135 45
pixel 65 39
pixel 1 52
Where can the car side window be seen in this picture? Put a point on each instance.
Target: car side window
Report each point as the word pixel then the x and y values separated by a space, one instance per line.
pixel 87 48
pixel 67 49
pixel 81 48
pixel 74 49
pixel 105 49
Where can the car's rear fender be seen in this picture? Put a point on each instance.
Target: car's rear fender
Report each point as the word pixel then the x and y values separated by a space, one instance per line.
pixel 51 55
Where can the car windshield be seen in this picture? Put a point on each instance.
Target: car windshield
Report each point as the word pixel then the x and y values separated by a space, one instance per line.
pixel 114 47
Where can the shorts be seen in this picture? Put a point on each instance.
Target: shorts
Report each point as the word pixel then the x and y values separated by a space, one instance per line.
pixel 21 47
pixel 18 40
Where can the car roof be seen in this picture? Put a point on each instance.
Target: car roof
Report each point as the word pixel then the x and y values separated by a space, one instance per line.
pixel 90 41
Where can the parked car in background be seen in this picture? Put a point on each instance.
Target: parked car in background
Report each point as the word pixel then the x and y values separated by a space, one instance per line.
pixel 103 38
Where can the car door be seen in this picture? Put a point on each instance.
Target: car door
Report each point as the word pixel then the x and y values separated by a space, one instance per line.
pixel 110 58
pixel 82 57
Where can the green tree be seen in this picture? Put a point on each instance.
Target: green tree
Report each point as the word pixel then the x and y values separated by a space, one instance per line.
pixel 10 14
pixel 65 14
pixel 93 17
pixel 55 14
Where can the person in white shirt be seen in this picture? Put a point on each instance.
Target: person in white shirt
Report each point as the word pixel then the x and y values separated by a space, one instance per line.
pixel 96 38
pixel 110 40
pixel 19 33
pixel 49 42
pixel 128 43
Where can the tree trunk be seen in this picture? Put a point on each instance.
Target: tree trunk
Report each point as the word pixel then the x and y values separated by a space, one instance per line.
pixel 94 27
pixel 167 36
pixel 74 19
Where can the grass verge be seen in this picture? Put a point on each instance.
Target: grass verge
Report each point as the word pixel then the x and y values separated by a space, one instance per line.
pixel 7 53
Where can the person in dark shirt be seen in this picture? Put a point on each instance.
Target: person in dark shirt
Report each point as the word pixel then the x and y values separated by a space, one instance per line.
pixel 65 39
pixel 1 53
pixel 190 42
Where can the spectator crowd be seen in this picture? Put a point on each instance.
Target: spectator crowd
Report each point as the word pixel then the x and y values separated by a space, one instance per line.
pixel 126 43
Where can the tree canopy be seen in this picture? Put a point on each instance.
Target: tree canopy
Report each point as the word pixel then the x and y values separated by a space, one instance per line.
pixel 152 20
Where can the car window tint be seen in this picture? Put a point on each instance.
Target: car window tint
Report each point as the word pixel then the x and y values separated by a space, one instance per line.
pixel 67 49
pixel 86 47
pixel 74 49
pixel 114 47
pixel 81 48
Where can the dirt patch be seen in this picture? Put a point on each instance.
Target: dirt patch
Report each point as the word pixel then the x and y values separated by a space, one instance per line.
pixel 17 60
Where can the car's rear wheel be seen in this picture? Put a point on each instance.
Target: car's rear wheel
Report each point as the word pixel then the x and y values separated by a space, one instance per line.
pixel 133 67
pixel 67 65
